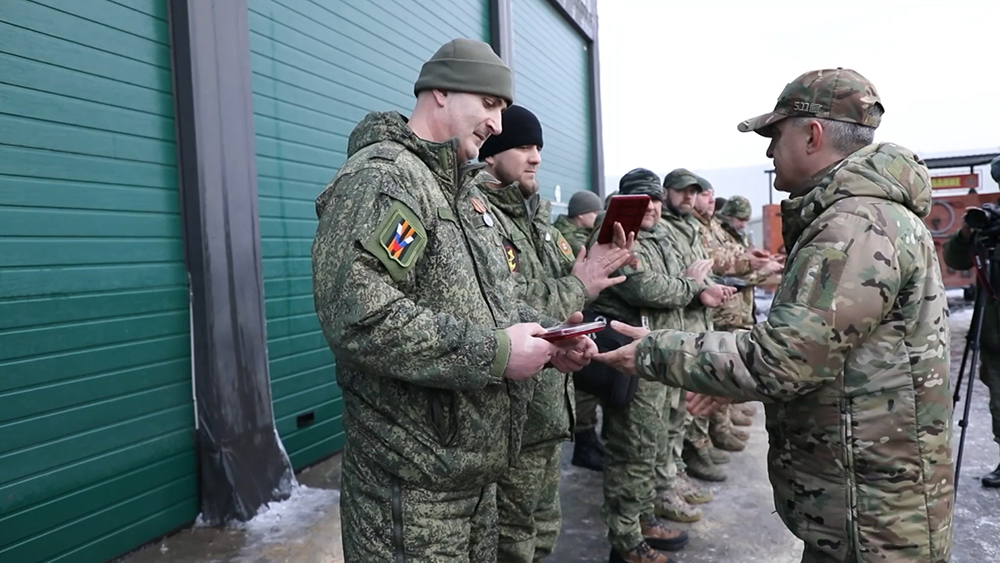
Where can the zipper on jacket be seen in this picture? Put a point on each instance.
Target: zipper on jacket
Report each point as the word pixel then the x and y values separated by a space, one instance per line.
pixel 847 438
pixel 399 555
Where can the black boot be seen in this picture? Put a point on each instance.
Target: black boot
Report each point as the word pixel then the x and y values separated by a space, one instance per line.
pixel 588 451
pixel 992 479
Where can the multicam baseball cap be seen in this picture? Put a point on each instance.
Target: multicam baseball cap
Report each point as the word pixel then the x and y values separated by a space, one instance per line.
pixel 681 178
pixel 737 207
pixel 839 94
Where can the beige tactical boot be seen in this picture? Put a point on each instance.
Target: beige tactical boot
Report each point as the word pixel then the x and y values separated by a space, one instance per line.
pixel 699 465
pixel 660 537
pixel 641 553
pixel 671 505
pixel 690 491
pixel 719 457
pixel 739 418
pixel 728 441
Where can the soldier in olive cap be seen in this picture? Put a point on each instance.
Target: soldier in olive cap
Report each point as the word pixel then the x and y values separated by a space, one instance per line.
pixel 655 293
pixel 958 254
pixel 852 363
pixel 417 303
pixel 578 222
pixel 681 186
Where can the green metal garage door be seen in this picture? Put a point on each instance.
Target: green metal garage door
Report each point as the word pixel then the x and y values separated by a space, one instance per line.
pixel 318 68
pixel 549 51
pixel 96 416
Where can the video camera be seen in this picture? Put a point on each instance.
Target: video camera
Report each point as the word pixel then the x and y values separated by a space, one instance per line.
pixel 986 221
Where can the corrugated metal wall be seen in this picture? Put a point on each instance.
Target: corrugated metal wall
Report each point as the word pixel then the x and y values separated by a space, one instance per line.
pixel 96 411
pixel 96 417
pixel 551 69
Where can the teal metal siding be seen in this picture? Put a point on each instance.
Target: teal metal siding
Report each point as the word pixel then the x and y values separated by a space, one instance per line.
pixel 318 68
pixel 552 79
pixel 96 409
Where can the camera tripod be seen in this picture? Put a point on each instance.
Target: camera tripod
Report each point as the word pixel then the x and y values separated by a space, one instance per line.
pixel 984 291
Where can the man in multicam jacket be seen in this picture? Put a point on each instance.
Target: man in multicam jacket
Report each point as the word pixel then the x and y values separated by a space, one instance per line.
pixel 551 281
pixel 413 295
pixel 852 362
pixel 731 257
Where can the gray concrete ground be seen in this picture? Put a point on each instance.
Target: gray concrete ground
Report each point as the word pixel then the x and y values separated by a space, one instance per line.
pixel 977 509
pixel 739 526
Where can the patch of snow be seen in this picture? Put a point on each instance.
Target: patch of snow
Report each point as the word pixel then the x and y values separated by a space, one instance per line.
pixel 277 521
pixel 963 315
pixel 955 293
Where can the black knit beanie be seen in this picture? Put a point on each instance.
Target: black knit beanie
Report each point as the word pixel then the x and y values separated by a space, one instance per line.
pixel 520 128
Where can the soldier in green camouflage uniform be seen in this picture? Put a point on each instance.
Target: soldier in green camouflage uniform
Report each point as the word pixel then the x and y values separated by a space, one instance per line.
pixel 684 237
pixel 656 292
pixel 720 428
pixel 413 294
pixel 576 226
pixel 551 281
pixel 722 238
pixel 578 222
pixel 853 361
pixel 958 255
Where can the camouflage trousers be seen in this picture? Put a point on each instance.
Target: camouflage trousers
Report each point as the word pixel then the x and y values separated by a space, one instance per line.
pixel 528 505
pixel 697 432
pixel 720 422
pixel 989 372
pixel 670 444
pixel 630 463
pixel 384 521
pixel 586 411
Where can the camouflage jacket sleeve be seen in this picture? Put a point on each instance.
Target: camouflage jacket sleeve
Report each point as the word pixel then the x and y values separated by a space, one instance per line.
pixel 644 287
pixel 370 321
pixel 835 292
pixel 557 297
pixel 958 252
pixel 726 261
pixel 737 266
pixel 729 257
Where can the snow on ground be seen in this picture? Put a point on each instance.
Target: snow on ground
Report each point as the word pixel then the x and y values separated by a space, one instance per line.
pixel 961 315
pixel 955 293
pixel 276 521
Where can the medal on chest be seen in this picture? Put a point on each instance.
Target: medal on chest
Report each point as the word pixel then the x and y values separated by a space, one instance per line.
pixel 480 208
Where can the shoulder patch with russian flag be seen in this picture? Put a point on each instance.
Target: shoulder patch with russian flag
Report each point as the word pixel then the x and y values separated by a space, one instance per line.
pixel 398 241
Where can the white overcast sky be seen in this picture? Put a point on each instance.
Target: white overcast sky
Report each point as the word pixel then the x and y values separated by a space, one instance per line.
pixel 676 77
